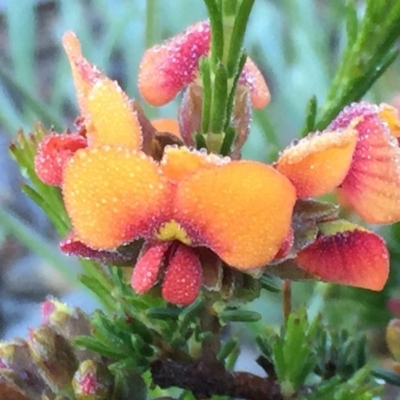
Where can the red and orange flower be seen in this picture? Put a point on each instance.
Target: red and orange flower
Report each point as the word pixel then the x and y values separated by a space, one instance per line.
pixel 116 193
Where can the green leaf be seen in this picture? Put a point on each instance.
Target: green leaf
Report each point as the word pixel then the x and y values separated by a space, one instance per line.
pixel 232 88
pixel 56 219
pixel 217 37
pixel 239 316
pixel 200 141
pixel 237 38
pixel 219 99
pixel 292 352
pixel 163 313
pixel 388 376
pixel 226 349
pixel 205 74
pixel 99 290
pixel 351 23
pixel 92 344
pixel 311 114
pixel 190 313
pixel 268 282
pixel 229 138
pixel 367 55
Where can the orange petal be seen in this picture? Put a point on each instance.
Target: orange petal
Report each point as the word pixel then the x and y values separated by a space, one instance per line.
pixel 85 74
pixel 183 277
pixel 253 79
pixel 319 162
pixel 147 268
pixel 354 257
pixel 112 117
pixel 372 185
pixel 166 69
pixel 241 210
pixel 113 195
pixel 178 162
pixel 167 125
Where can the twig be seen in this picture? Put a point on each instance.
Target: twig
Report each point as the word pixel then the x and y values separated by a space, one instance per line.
pixel 287 298
pixel 205 379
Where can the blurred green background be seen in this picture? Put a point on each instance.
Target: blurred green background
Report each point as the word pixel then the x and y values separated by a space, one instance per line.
pixel 297 45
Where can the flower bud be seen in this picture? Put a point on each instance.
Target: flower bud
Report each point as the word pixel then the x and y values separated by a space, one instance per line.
pixel 9 390
pixel 54 357
pixel 68 322
pixel 92 381
pixel 15 358
pixel 393 338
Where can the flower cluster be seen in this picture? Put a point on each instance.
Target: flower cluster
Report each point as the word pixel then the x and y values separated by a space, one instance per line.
pixel 128 182
pixel 47 366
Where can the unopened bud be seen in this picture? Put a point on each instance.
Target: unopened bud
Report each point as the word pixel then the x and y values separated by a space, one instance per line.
pixel 54 357
pixel 9 390
pixel 92 381
pixel 20 383
pixel 69 322
pixel 65 320
pixel 393 338
pixel 15 357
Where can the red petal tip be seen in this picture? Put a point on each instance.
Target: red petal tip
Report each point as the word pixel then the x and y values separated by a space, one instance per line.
pixel 183 277
pixel 52 155
pixel 147 268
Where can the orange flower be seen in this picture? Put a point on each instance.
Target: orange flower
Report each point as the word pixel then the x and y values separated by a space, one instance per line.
pixel 115 194
pixel 358 153
pixel 161 212
pixel 167 68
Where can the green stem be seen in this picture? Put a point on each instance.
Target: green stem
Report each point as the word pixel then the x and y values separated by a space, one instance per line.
pixel 287 298
pixel 217 35
pixel 229 13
